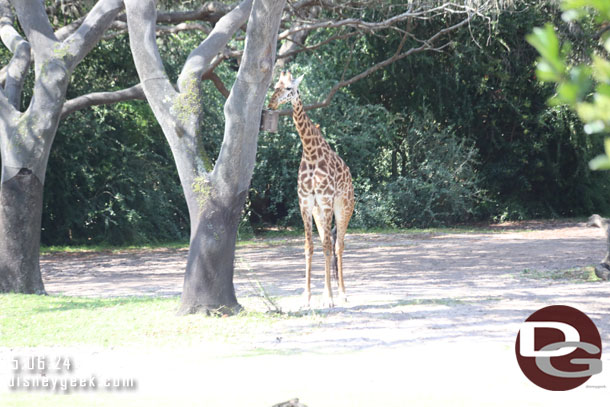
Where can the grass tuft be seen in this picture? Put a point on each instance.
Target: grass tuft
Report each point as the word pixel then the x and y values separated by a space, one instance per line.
pixel 577 274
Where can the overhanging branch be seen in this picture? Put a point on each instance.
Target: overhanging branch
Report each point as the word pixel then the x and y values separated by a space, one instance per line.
pixel 427 45
pixel 102 98
pixel 135 92
pixel 201 57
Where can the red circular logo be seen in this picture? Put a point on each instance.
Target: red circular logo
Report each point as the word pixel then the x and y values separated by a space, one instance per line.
pixel 559 348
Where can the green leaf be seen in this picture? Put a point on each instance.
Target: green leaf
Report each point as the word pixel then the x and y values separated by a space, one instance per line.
pixel 544 40
pixel 567 92
pixel 547 44
pixel 601 162
pixel 546 73
pixel 603 89
pixel 601 69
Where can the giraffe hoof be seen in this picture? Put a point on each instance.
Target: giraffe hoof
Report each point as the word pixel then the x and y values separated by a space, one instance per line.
pixel 343 298
pixel 306 300
pixel 328 301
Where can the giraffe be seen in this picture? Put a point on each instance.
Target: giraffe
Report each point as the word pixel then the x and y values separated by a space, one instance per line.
pixel 324 188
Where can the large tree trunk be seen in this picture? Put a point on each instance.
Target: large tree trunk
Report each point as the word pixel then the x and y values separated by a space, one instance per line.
pixel 20 218
pixel 208 282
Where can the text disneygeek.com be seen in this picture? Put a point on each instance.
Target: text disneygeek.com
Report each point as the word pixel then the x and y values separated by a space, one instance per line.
pixel 57 374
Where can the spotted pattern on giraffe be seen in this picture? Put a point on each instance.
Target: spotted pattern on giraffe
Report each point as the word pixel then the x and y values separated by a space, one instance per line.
pixel 324 185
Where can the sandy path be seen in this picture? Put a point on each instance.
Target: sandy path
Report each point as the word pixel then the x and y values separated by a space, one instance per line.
pixel 407 287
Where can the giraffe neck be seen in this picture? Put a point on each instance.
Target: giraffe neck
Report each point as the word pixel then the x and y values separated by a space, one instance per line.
pixel 310 135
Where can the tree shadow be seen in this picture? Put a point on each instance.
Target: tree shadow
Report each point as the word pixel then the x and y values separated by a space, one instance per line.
pixel 88 303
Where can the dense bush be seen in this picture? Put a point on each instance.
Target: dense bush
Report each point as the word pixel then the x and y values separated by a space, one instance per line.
pixel 532 157
pixel 438 184
pixel 112 179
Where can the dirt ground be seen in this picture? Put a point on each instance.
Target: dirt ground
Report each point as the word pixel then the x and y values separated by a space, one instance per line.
pixel 396 279
pixel 430 319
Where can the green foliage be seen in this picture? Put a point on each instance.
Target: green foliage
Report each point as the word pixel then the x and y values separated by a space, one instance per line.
pixel 585 87
pixel 112 179
pixel 403 130
pixel 531 156
pixel 438 184
pixel 111 176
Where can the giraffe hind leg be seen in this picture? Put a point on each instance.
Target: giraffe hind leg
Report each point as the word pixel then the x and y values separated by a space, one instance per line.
pixel 317 216
pixel 323 215
pixel 343 214
pixel 334 266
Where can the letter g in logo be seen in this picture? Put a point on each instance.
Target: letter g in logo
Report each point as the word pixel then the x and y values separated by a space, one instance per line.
pixel 559 348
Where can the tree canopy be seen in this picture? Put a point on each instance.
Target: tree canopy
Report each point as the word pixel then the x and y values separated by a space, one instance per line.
pixel 454 135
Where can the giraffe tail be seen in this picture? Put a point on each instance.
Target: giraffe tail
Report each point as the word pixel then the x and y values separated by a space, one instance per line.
pixel 335 268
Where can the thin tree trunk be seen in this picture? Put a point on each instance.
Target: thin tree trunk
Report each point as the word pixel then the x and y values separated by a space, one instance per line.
pixel 20 219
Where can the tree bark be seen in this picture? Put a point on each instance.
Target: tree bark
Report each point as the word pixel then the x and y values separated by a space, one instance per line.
pixel 20 218
pixel 208 281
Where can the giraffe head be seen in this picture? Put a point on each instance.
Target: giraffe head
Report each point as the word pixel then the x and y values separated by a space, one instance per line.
pixel 286 90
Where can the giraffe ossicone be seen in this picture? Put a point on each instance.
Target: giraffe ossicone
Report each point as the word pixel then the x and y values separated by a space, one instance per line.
pixel 324 187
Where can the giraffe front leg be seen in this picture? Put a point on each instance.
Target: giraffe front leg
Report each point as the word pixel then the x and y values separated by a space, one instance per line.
pixel 306 214
pixel 308 258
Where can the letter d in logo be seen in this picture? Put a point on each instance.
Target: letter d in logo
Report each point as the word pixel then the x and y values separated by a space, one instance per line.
pixel 527 333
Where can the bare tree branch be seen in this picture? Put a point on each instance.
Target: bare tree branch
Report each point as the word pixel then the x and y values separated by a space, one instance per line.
pixel 68 29
pixel 135 92
pixel 297 48
pixel 20 62
pixel 427 45
pixel 91 30
pixel 210 11
pixel 102 98
pixel 36 26
pixel 201 57
pixel 119 28
pixel 218 83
